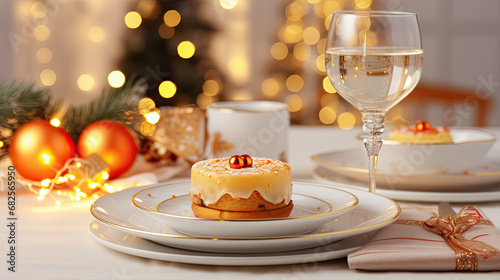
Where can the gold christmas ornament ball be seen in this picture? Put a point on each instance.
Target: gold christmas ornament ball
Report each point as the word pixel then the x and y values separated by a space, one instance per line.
pixel 114 142
pixel 38 150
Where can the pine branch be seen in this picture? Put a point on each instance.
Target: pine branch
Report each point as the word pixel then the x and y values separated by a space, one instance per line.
pixel 116 104
pixel 20 102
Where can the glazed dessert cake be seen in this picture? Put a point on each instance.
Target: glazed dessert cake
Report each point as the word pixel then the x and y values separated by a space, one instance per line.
pixel 241 188
pixel 422 132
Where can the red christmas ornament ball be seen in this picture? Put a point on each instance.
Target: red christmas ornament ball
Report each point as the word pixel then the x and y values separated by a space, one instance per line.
pixel 112 141
pixel 38 150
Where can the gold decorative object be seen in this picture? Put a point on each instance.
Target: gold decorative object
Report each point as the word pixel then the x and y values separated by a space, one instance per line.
pixel 182 131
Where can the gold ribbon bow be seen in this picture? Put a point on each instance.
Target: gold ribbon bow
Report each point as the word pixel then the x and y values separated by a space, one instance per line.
pixel 451 228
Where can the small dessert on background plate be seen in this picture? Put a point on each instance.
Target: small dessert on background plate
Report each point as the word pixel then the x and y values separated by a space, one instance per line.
pixel 421 132
pixel 241 187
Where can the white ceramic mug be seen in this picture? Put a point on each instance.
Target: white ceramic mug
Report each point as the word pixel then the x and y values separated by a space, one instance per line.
pixel 256 128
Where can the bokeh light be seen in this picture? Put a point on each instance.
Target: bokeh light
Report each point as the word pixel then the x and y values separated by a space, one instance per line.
pixel 270 87
pixel 311 35
pixel 44 55
pixel 302 51
pixel 203 101
pixel 279 51
pixel 363 4
pixel 41 33
pixel 47 77
pixel 85 82
pixel 96 34
pixel 228 4
pixel 116 79
pixel 294 83
pixel 55 122
pixel 186 49
pixel 167 89
pixel 211 87
pixel 327 85
pixel 346 120
pixel 133 20
pixel 293 102
pixel 145 105
pixel 172 18
pixel 38 10
pixel 165 31
pixel 320 63
pixel 327 115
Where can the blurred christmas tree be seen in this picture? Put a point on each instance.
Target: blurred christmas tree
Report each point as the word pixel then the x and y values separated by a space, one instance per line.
pixel 168 44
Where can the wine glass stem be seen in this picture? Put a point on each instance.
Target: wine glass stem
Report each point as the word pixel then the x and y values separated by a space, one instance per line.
pixel 373 127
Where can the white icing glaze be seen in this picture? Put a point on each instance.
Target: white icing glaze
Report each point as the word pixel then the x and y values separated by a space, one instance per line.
pixel 213 178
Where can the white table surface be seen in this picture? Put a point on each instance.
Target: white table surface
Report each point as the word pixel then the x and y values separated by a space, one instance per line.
pixel 53 242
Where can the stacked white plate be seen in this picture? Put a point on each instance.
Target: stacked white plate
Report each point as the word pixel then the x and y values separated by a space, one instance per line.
pixel 156 222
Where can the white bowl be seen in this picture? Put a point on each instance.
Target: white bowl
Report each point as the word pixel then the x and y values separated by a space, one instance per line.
pixel 468 150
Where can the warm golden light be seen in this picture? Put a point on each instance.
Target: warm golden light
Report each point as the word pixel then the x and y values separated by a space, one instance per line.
pixel 96 34
pixel 116 79
pixel 47 77
pixel 302 51
pixel 294 83
pixel 46 158
pixel 44 55
pixel 346 120
pixel 320 63
pixel 45 182
pixel 296 11
pixel 167 89
pixel 311 35
pixel 172 18
pixel 105 175
pixel 2 144
pixel 228 4
pixel 78 164
pixel 270 87
pixel 186 49
pixel 331 6
pixel 145 105
pixel 327 115
pixel 38 10
pixel 152 117
pixel 321 46
pixel 41 33
pixel 327 86
pixel 328 21
pixel 55 122
pixel 238 67
pixel 85 82
pixel 203 101
pixel 330 100
pixel 363 4
pixel 279 51
pixel 293 33
pixel 133 20
pixel 211 87
pixel 293 102
pixel 165 31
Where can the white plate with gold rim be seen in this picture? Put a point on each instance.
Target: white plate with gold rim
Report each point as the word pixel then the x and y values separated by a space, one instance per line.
pixel 171 204
pixel 352 164
pixel 112 238
pixel 373 212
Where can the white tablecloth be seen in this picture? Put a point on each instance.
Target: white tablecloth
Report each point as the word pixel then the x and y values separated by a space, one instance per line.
pixel 53 242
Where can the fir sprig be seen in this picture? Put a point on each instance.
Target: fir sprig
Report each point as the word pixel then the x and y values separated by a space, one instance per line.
pixel 113 104
pixel 20 102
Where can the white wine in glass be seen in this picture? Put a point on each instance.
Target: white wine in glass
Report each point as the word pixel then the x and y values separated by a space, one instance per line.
pixel 374 59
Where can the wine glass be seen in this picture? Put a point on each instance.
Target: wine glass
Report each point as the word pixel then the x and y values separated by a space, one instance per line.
pixel 374 59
